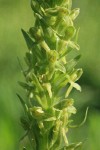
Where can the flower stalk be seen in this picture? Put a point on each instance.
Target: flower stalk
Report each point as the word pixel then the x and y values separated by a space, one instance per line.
pixel 50 76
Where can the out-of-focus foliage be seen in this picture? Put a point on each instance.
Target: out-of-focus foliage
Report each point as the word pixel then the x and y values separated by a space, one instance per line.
pixel 17 14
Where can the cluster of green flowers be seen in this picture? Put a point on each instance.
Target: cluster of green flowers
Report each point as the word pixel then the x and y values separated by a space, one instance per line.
pixel 50 76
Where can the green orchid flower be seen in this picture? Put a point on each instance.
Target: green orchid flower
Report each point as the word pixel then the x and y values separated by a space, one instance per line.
pixel 50 76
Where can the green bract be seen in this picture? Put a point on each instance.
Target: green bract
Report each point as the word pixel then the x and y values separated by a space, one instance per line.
pixel 50 76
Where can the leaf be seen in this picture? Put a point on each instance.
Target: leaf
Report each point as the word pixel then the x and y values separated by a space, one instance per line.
pixel 25 86
pixel 30 43
pixel 21 67
pixel 29 59
pixel 22 138
pixel 34 8
pixel 25 123
pixel 22 102
pixel 43 23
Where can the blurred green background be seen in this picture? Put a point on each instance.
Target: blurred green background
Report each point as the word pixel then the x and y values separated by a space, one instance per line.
pixel 15 15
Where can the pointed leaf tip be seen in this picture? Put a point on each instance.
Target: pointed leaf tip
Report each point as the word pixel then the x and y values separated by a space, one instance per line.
pixel 30 43
pixel 22 102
